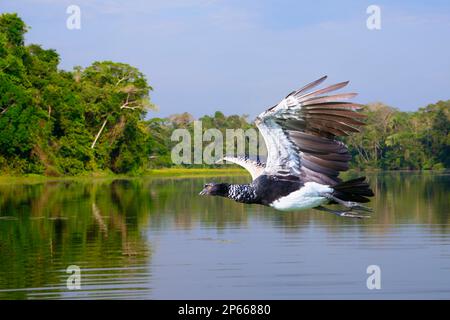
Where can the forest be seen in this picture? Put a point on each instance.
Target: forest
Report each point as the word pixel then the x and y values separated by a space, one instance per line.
pixel 96 119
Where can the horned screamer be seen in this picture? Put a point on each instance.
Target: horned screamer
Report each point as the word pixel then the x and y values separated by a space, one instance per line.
pixel 304 157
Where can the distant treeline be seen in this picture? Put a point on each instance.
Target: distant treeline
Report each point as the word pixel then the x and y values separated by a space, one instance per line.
pixel 91 119
pixel 390 140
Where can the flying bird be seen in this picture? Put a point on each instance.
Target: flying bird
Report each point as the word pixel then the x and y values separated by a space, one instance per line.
pixel 304 156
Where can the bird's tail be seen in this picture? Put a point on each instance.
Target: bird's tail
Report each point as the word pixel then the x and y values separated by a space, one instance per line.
pixel 356 190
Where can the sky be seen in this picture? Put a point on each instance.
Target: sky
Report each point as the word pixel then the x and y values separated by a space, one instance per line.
pixel 242 56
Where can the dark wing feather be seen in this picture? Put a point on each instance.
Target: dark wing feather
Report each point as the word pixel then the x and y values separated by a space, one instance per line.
pixel 308 86
pixel 300 133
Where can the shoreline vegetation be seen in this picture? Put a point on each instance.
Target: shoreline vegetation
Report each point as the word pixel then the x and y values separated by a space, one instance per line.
pixel 91 122
pixel 153 173
pixel 177 173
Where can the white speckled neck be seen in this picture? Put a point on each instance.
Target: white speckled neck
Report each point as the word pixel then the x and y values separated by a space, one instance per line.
pixel 242 193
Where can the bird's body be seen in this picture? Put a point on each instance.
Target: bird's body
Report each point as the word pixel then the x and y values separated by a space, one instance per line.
pixel 310 195
pixel 304 158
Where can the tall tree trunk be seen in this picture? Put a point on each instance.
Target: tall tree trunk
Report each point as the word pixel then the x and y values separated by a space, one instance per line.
pixel 99 133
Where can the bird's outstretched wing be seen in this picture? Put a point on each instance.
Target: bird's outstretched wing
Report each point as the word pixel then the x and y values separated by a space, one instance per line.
pixel 300 133
pixel 255 168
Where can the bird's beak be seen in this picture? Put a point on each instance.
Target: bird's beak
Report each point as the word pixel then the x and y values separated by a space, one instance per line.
pixel 203 192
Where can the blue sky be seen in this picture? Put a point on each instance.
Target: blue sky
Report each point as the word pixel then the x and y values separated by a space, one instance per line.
pixel 243 56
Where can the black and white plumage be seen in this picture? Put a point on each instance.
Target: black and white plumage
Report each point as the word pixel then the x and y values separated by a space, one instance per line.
pixel 304 157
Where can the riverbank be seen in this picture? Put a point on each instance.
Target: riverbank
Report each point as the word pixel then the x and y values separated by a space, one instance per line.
pixel 171 173
pixel 195 172
pixel 154 173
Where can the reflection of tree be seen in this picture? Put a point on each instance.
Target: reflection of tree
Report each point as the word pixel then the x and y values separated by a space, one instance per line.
pixel 421 198
pixel 100 223
pixel 412 197
pixel 98 217
pixel 93 225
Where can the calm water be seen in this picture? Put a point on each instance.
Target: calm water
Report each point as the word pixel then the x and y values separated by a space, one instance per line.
pixel 156 238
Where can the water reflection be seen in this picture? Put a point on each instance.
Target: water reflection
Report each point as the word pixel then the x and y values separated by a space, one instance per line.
pixel 140 238
pixel 94 225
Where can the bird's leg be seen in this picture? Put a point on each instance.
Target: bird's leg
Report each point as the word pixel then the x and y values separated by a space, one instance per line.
pixel 349 204
pixel 347 214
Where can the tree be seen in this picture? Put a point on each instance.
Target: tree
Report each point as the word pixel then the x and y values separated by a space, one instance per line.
pixel 116 97
pixel 13 28
pixel 58 122
pixel 20 118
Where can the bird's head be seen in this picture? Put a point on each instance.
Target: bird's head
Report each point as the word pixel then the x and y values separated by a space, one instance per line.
pixel 215 189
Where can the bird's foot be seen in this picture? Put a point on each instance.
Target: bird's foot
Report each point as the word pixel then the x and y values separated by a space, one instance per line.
pixel 350 214
pixel 349 204
pixel 356 206
pixel 347 214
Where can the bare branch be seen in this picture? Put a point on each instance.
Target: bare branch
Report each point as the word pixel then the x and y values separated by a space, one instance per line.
pixel 99 133
pixel 127 76
pixel 126 107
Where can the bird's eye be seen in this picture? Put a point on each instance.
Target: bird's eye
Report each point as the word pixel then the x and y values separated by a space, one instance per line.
pixel 205 185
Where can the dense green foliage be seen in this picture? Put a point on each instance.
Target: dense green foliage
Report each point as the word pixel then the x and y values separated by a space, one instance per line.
pixel 57 122
pixel 49 119
pixel 391 139
pixel 403 140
